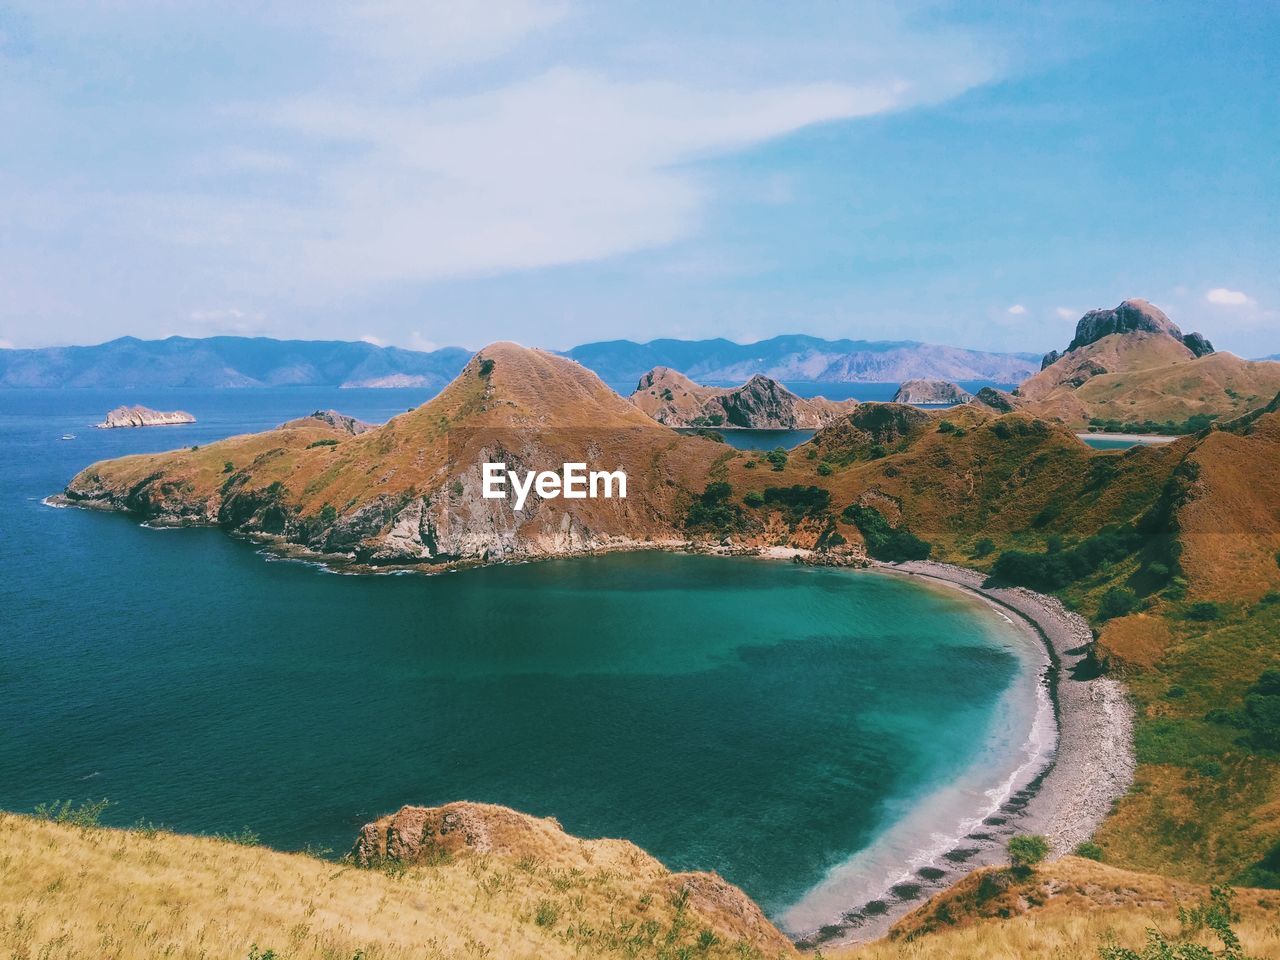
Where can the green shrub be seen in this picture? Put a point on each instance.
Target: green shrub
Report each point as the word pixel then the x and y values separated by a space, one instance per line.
pixel 890 544
pixel 713 512
pixel 1027 849
pixel 486 367
pixel 984 547
pixel 753 498
pixel 1261 715
pixel 1052 571
pixel 797 500
pixel 777 457
pixel 824 470
pixel 228 467
pixel 946 426
pixel 1117 602
pixel 547 914
pixel 327 442
pixel 86 814
pixel 1204 610
pixel 1089 850
pixel 1216 915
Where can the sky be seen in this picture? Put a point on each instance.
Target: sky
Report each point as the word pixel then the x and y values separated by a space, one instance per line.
pixel 555 172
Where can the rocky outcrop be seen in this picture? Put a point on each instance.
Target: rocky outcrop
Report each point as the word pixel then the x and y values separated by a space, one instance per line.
pixel 339 421
pixel 143 417
pixel 931 393
pixel 1132 316
pixel 998 400
pixel 456 831
pixel 761 403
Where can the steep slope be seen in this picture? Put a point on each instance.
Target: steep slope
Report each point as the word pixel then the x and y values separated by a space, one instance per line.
pixel 1132 366
pixel 521 888
pixel 802 358
pixel 411 491
pixel 673 399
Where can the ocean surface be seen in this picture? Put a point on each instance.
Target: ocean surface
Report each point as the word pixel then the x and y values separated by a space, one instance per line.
pixel 781 724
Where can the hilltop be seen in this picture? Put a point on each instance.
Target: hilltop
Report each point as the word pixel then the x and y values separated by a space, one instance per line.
pixel 673 399
pixel 410 491
pixel 1131 366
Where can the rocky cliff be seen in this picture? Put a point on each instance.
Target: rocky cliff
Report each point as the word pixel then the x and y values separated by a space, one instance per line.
pixel 143 417
pixel 673 399
pixel 1132 364
pixel 931 393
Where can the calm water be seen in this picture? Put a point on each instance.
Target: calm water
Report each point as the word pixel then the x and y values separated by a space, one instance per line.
pixel 762 719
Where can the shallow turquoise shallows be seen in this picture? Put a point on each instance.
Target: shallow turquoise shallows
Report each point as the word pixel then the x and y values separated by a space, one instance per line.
pixel 758 718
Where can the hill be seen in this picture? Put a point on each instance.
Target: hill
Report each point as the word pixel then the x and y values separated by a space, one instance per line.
pixel 229 362
pixel 801 358
pixel 505 885
pixel 1170 551
pixel 760 403
pixel 1132 368
pixel 410 491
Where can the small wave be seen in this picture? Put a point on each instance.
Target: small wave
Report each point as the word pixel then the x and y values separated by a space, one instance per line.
pixel 90 776
pixel 49 502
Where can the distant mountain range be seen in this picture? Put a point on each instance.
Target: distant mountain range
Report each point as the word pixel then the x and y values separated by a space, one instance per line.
pixel 798 357
pixel 129 363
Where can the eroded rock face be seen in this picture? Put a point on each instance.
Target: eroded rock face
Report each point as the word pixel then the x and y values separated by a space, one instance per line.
pixel 997 400
pixel 143 417
pixel 339 421
pixel 931 392
pixel 1131 316
pixel 761 403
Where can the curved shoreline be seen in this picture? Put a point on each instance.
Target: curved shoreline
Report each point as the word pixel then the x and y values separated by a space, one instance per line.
pixel 1092 766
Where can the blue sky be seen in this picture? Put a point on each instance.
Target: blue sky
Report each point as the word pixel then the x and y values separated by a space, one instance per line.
pixel 554 172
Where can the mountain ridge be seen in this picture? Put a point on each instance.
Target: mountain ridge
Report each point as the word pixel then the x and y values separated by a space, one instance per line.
pixel 228 362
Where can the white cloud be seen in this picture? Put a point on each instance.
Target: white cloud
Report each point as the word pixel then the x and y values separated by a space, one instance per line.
pixel 228 321
pixel 1066 313
pixel 1225 297
pixel 1017 310
pixel 376 341
pixel 6 344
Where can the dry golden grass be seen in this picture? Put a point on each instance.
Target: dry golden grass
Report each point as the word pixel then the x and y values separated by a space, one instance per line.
pixel 1065 912
pixel 87 893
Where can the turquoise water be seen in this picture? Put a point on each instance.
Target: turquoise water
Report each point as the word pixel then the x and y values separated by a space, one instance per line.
pixel 762 719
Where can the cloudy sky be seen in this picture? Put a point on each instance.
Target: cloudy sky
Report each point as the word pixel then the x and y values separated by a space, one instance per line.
pixel 558 171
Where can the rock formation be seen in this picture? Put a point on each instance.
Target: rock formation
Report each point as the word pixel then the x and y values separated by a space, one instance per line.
pixel 339 421
pixel 673 399
pixel 1133 364
pixel 143 417
pixel 931 393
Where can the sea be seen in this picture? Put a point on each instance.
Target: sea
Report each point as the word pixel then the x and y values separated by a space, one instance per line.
pixel 804 731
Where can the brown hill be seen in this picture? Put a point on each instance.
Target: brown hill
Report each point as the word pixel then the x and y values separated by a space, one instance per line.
pixel 410 491
pixel 760 403
pixel 1133 366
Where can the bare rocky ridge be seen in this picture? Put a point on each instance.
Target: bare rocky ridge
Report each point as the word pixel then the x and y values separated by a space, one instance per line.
pixel 1133 364
pixel 673 399
pixel 339 421
pixel 931 393
pixel 143 417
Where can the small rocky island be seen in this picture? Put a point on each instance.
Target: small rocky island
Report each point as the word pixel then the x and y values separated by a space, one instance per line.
pixel 143 417
pixel 930 393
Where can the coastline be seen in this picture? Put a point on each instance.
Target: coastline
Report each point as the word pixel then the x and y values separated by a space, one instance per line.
pixel 1091 765
pixel 1065 799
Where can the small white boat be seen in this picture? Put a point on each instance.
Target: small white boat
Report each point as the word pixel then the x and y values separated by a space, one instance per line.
pixel 68 436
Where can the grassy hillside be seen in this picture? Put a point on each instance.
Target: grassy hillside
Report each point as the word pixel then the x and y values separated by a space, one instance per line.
pixel 70 891
pixel 1066 910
